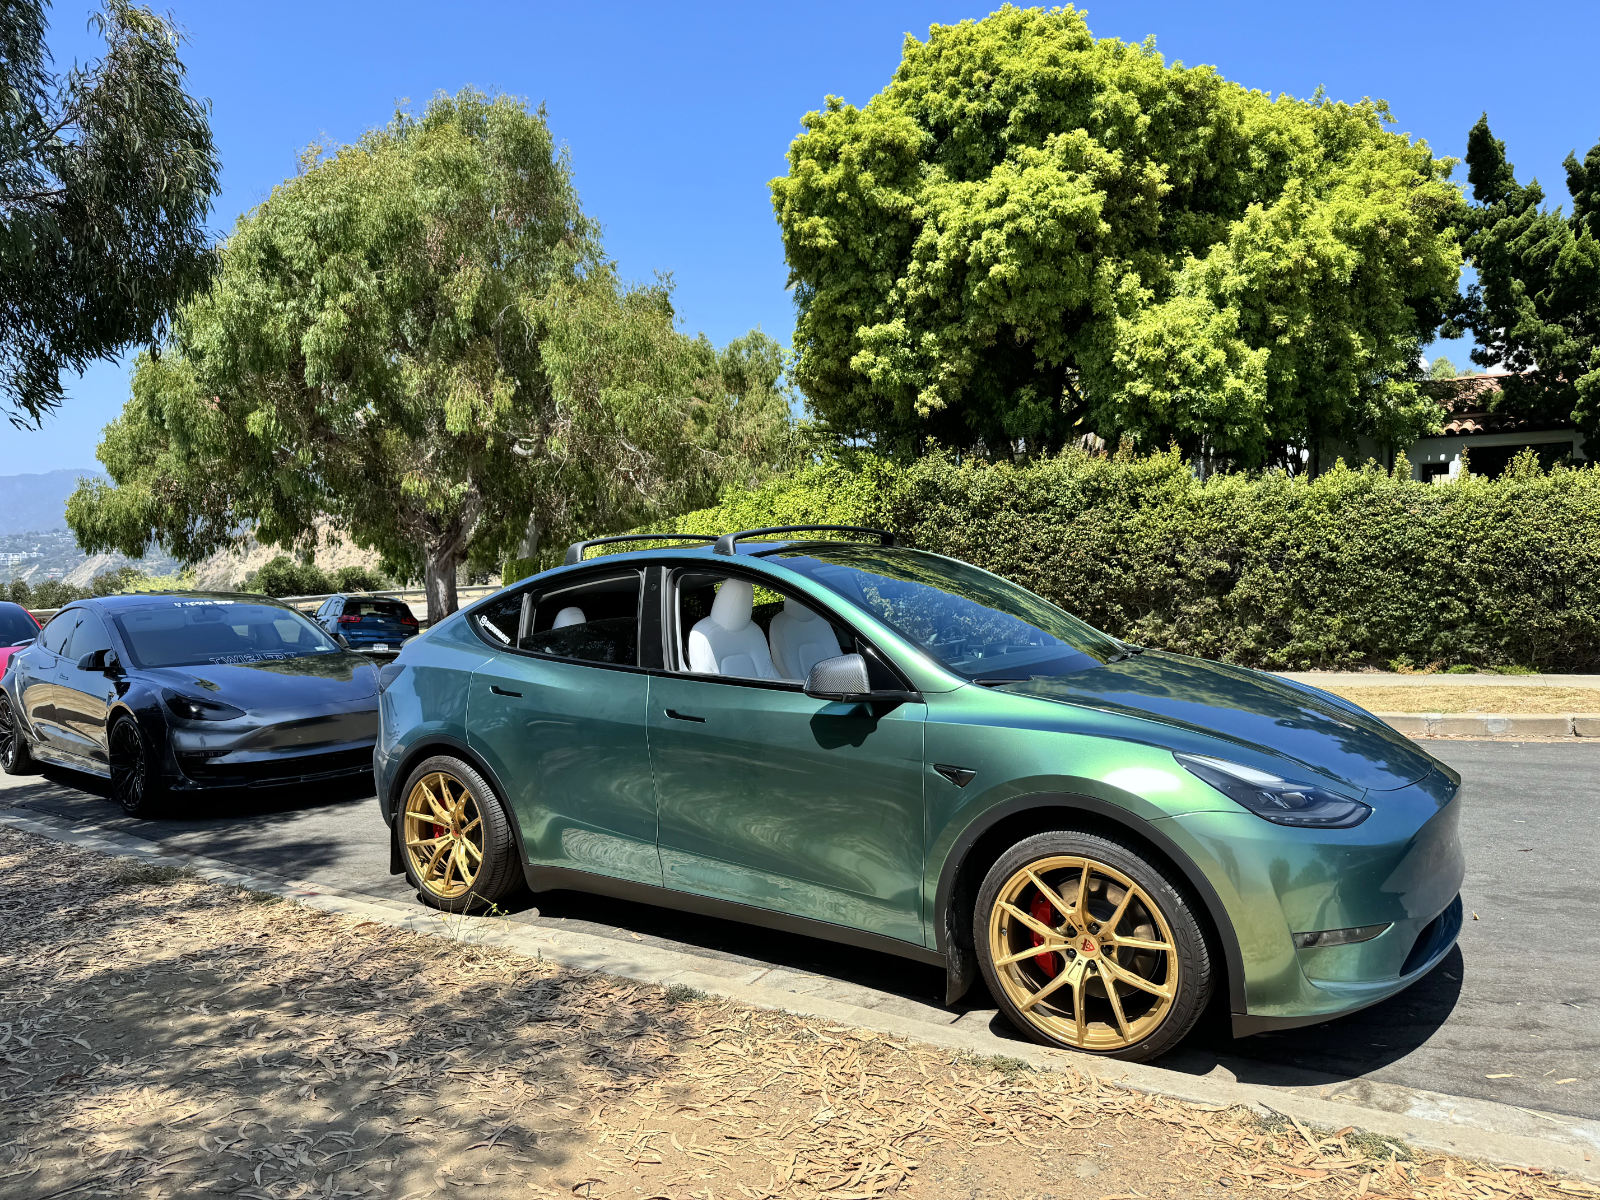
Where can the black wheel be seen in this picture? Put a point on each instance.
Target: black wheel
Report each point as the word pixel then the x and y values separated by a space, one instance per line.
pixel 14 756
pixel 455 839
pixel 135 781
pixel 1089 946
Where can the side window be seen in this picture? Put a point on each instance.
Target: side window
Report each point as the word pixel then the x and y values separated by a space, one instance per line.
pixel 90 636
pixel 55 635
pixel 727 625
pixel 595 621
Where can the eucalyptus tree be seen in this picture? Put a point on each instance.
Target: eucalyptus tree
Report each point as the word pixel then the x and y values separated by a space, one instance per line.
pixel 419 338
pixel 106 176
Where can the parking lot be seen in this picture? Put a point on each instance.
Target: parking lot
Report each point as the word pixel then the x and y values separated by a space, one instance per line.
pixel 1513 1015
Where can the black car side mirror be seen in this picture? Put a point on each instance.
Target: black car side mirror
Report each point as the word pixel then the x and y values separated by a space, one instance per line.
pixel 845 678
pixel 100 660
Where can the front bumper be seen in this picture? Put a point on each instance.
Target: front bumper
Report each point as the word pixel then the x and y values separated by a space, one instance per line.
pixel 1402 866
pixel 272 749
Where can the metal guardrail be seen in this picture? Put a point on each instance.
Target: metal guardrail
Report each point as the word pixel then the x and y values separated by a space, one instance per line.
pixel 408 596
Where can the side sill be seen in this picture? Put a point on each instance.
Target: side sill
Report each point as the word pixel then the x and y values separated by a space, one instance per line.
pixel 46 755
pixel 549 879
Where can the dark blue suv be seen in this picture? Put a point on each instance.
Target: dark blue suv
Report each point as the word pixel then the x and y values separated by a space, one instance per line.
pixel 370 624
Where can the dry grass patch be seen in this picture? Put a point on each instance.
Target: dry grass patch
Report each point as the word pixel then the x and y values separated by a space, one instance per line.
pixel 1444 698
pixel 161 1036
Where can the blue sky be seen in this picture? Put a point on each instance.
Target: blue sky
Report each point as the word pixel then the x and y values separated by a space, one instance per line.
pixel 678 115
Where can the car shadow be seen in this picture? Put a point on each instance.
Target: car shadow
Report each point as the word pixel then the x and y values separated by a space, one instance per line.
pixel 255 828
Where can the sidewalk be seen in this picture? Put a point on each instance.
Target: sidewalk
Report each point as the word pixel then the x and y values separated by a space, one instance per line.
pixel 1496 707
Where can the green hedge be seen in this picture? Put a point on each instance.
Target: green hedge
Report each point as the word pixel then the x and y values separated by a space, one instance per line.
pixel 1354 568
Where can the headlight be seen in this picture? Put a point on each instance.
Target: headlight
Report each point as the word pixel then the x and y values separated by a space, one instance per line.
pixel 192 709
pixel 1276 799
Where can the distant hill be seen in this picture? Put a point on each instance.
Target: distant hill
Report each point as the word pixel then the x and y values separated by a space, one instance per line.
pixel 30 503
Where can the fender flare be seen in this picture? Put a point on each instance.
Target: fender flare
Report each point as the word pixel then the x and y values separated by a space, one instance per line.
pixel 421 749
pixel 1066 802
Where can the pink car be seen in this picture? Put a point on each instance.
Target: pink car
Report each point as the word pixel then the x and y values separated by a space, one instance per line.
pixel 17 628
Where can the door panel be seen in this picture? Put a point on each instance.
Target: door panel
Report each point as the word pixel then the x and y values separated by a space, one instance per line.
pixel 40 688
pixel 567 740
pixel 85 696
pixel 804 806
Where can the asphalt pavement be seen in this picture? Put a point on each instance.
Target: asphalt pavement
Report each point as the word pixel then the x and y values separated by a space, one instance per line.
pixel 1512 1015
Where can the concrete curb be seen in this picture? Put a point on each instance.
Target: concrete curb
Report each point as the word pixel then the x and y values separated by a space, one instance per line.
pixel 1494 725
pixel 1476 1129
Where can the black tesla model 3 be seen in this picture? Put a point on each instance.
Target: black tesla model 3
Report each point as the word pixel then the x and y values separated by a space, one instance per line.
pixel 174 692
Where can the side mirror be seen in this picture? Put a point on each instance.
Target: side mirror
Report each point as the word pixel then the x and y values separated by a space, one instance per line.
pixel 99 660
pixel 845 678
pixel 842 678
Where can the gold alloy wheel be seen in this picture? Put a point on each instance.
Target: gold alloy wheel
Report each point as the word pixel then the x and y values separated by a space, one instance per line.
pixel 444 835
pixel 1083 952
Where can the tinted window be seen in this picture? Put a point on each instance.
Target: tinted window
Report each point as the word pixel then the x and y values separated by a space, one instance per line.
pixel 90 636
pixel 191 632
pixel 977 624
pixel 55 635
pixel 593 621
pixel 16 625
pixel 391 609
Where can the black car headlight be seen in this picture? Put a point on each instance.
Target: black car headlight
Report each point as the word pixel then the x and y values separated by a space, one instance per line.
pixel 1275 799
pixel 191 708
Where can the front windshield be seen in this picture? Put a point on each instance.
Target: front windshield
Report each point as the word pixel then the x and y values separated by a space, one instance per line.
pixel 975 623
pixel 188 633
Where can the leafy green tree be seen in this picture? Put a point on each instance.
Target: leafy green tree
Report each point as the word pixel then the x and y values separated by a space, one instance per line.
pixel 1536 304
pixel 105 178
pixel 360 579
pixel 1442 368
pixel 420 338
pixel 1030 235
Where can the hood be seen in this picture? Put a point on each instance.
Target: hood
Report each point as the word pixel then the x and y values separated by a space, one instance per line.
pixel 301 682
pixel 1264 712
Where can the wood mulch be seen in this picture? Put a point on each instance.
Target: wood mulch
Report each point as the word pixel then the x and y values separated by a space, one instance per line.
pixel 162 1036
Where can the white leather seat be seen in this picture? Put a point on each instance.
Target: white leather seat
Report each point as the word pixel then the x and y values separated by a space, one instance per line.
pixel 800 640
pixel 572 615
pixel 728 642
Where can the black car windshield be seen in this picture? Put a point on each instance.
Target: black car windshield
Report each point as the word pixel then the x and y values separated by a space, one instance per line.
pixel 15 625
pixel 186 633
pixel 975 623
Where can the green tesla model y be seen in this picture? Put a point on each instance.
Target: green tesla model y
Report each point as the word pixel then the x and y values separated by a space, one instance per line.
pixel 848 738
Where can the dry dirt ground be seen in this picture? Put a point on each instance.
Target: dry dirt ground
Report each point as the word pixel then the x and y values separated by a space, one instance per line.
pixel 162 1036
pixel 1463 698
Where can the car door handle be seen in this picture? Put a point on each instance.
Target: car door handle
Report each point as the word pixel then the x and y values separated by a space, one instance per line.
pixel 678 716
pixel 500 691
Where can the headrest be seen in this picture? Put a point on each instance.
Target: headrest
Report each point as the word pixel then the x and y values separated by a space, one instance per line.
pixel 799 611
pixel 568 616
pixel 731 609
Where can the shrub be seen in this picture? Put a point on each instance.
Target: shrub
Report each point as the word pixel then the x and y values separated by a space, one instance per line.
pixel 1358 567
pixel 360 579
pixel 285 576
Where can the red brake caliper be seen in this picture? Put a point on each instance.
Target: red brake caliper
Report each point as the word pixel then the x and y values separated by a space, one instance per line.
pixel 1045 913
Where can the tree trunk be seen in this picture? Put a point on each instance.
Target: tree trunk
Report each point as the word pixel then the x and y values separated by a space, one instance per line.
pixel 439 580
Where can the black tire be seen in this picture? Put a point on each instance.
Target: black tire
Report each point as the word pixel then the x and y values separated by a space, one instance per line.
pixel 15 758
pixel 472 829
pixel 1158 944
pixel 136 782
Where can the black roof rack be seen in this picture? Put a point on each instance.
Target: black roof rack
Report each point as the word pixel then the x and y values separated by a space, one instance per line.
pixel 575 551
pixel 728 543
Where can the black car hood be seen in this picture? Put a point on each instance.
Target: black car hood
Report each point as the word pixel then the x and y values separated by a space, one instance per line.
pixel 302 682
pixel 1249 707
